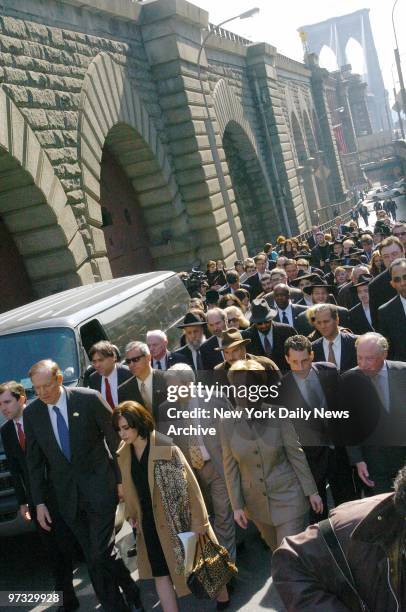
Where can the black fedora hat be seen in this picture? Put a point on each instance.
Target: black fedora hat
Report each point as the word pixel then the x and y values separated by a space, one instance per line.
pixel 303 255
pixel 364 279
pixel 318 282
pixel 261 312
pixel 304 276
pixel 190 320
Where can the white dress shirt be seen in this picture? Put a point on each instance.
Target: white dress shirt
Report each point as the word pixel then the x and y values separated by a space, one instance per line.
pixel 19 420
pixel 381 383
pixel 336 349
pixel 148 387
pixel 62 404
pixel 113 382
pixel 162 361
pixel 289 313
pixel 403 300
pixel 269 335
pixel 367 312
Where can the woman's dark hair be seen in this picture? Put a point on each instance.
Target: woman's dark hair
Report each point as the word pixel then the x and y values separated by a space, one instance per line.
pixel 230 297
pixel 136 416
pixel 241 294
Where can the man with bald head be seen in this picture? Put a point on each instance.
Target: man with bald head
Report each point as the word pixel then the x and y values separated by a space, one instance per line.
pixel 288 312
pixel 71 442
pixel 373 393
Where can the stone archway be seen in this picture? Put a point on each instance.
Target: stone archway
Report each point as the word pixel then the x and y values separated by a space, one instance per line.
pixel 115 125
pixel 248 172
pixel 42 250
pixel 248 185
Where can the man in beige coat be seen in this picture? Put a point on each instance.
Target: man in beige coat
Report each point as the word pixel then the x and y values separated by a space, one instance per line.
pixel 267 474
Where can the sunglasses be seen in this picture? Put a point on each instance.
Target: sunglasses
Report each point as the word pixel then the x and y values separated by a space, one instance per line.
pixel 398 279
pixel 230 320
pixel 134 359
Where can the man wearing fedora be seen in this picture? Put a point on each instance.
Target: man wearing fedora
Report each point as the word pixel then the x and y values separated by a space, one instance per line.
pixel 360 314
pixel 346 297
pixel 193 328
pixel 234 348
pixel 267 338
pixel 320 293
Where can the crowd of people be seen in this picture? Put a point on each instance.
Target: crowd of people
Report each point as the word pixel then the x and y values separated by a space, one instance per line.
pixel 322 323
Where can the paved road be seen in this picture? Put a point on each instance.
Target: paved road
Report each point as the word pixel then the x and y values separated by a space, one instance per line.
pixel 26 568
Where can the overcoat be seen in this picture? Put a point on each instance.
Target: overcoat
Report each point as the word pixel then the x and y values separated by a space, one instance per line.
pixel 266 470
pixel 161 448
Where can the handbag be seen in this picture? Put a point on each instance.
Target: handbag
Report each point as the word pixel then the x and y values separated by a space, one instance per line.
pixel 212 569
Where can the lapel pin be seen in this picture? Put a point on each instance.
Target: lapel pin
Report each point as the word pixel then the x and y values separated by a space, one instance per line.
pixel 76 414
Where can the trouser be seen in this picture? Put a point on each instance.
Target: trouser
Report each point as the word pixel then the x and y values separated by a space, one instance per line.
pixel 274 534
pixel 94 531
pixel 59 547
pixel 214 486
pixel 333 467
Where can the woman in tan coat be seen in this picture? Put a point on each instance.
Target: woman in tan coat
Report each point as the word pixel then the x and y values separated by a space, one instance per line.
pixel 267 475
pixel 162 498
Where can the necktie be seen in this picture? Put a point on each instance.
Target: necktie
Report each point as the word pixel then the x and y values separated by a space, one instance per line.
pixel 63 433
pixel 267 346
pixel 199 364
pixel 378 384
pixel 158 365
pixel 109 397
pixel 285 318
pixel 21 435
pixel 144 394
pixel 331 357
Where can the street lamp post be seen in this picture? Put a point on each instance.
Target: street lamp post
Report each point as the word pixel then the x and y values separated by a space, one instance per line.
pixel 212 136
pixel 398 63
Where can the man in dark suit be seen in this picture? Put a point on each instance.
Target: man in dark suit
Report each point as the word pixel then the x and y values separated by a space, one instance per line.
pixel 233 283
pixel 334 346
pixel 108 373
pixel 320 294
pixel 360 315
pixel 147 386
pixel 193 328
pixel 277 276
pixel 267 338
pixel 288 312
pixel 380 289
pixel 67 430
pixel 346 297
pixel 217 323
pixel 234 347
pixel 392 315
pixel 374 394
pixel 312 385
pixel 57 543
pixel 254 281
pixel 157 341
pixel 321 253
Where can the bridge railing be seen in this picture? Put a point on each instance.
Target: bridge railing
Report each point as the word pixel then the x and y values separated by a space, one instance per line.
pixel 227 35
pixel 344 211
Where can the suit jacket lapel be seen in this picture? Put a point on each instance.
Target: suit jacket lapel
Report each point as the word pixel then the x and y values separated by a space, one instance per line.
pixel 47 429
pixel 71 420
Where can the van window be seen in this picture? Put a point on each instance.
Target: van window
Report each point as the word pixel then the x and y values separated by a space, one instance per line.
pixel 23 349
pixel 90 333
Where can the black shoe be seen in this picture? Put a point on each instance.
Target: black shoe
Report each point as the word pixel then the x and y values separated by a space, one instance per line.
pixel 132 552
pixel 133 599
pixel 222 605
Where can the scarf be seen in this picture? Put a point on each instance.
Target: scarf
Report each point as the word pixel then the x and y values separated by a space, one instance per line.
pixel 171 480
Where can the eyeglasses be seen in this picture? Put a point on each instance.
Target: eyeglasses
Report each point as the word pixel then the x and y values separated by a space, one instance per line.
pixel 134 359
pixel 398 279
pixel 399 234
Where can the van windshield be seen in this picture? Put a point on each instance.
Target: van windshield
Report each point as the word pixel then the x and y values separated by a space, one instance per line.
pixel 18 352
